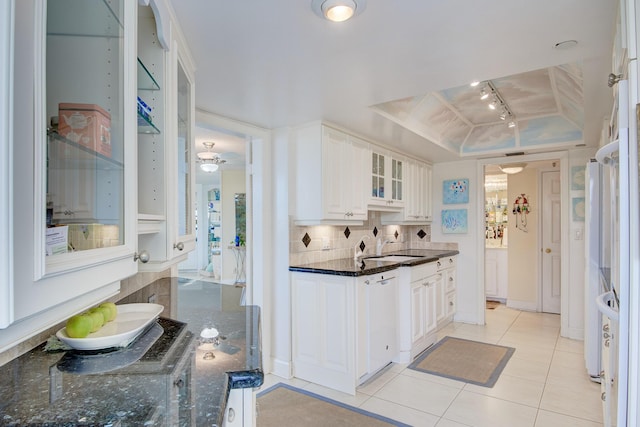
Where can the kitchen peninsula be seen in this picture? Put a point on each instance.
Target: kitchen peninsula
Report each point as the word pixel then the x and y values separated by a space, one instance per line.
pixel 352 317
pixel 169 376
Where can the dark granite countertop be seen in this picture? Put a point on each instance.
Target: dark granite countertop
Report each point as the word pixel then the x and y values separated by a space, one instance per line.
pixel 162 379
pixel 371 264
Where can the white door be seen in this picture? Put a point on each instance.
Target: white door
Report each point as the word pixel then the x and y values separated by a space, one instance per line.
pixel 550 227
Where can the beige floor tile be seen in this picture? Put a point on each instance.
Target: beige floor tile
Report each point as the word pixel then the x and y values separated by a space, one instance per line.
pixel 348 399
pixel 418 394
pixel 529 352
pixel 551 419
pixel 433 378
pixel 526 369
pixel 374 384
pixel 568 399
pixel 569 345
pixel 569 369
pixel 545 341
pixel 271 380
pixel 448 423
pixel 484 411
pixel 512 389
pixel 396 412
pixel 546 319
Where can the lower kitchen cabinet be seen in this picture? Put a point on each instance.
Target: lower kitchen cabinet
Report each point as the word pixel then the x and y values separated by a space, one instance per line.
pixel 343 328
pixel 241 408
pixel 446 305
pixel 496 273
pixel 424 307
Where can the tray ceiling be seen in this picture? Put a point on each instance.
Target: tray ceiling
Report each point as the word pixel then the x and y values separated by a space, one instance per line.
pixel 547 104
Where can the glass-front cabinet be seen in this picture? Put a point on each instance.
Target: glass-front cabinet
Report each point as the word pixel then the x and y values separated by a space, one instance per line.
pixel 166 180
pixel 386 180
pixel 74 124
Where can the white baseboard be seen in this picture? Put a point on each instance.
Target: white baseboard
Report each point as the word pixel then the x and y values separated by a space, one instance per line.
pixel 281 368
pixel 572 333
pixel 522 305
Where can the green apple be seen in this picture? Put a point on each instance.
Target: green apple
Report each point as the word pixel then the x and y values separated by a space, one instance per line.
pixel 97 318
pixel 106 312
pixel 113 309
pixel 79 326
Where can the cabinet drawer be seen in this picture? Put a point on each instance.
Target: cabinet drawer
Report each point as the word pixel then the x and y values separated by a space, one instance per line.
pixel 446 262
pixel 424 270
pixel 450 283
pixel 450 304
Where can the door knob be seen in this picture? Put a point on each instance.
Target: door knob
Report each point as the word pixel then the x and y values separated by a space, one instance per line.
pixel 548 250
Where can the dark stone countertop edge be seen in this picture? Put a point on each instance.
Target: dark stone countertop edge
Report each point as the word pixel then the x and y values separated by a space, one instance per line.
pixel 379 267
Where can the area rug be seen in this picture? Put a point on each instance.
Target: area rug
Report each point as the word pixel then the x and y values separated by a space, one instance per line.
pixel 464 360
pixel 284 405
pixel 492 305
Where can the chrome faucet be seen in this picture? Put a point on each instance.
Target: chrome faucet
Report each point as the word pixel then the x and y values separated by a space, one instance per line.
pixel 379 245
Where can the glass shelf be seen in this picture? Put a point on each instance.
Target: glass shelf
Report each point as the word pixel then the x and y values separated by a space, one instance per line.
pixel 67 154
pixel 94 18
pixel 145 79
pixel 146 127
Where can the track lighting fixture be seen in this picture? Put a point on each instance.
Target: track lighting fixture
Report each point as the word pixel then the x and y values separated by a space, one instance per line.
pixel 498 101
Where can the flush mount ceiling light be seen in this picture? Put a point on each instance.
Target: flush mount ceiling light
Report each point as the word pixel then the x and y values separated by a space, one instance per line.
pixel 337 10
pixel 483 94
pixel 512 168
pixel 209 161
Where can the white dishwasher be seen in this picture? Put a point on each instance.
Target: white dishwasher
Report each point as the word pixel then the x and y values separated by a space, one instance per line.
pixel 381 308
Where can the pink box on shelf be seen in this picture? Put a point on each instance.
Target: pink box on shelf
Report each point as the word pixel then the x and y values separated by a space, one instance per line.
pixel 88 125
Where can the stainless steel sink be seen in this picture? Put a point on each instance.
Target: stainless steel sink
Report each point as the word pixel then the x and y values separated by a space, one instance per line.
pixel 395 258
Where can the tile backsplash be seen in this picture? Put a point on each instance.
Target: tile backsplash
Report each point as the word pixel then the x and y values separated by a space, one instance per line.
pixel 328 242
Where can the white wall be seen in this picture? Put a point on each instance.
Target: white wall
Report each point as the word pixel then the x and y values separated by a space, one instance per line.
pixel 470 301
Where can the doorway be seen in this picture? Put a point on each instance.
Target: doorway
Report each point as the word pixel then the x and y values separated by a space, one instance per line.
pixel 517 225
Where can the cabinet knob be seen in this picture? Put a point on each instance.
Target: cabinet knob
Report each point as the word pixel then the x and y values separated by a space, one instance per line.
pixel 603 396
pixel 439 264
pixel 605 328
pixel 179 246
pixel 179 383
pixel 450 260
pixel 143 257
pixel 231 415
pixel 606 335
pixel 606 343
pixel 451 303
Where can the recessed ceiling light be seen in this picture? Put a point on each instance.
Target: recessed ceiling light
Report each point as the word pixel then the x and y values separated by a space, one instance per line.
pixel 483 94
pixel 567 44
pixel 337 10
pixel 474 83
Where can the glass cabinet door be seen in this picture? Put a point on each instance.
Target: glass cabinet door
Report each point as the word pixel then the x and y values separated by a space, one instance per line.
pixel 86 133
pixel 184 154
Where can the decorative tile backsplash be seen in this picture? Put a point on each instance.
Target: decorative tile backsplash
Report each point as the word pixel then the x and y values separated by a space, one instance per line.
pixel 324 242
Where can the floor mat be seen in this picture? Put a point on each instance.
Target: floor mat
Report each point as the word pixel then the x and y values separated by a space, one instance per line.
pixel 464 360
pixel 284 405
pixel 492 305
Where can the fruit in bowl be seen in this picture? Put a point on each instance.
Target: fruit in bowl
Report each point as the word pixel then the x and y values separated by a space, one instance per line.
pixel 79 326
pixel 112 308
pixel 97 318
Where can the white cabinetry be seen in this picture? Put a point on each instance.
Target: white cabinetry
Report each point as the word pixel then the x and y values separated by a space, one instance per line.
pixel 166 214
pixel 340 335
pixel 331 175
pixel 386 175
pixel 446 290
pixel 240 409
pixel 496 274
pixel 417 201
pixel 417 309
pixel 83 55
pixel 6 159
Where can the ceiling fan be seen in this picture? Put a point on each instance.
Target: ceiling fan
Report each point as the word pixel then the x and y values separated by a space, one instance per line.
pixel 209 161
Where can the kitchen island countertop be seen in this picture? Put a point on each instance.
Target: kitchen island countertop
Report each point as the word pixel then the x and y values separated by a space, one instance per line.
pixel 167 376
pixel 371 265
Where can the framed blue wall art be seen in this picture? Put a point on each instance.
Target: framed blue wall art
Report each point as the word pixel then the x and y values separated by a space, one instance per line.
pixel 454 221
pixel 455 191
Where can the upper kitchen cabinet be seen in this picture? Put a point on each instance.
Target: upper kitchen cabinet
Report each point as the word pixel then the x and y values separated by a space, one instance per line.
pixel 74 125
pixel 386 178
pixel 417 195
pixel 166 107
pixel 332 169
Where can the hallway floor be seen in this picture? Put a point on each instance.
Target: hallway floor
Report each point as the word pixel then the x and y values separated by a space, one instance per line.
pixel 545 383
